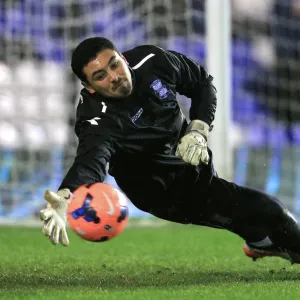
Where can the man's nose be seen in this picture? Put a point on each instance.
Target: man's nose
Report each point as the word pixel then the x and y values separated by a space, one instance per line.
pixel 113 76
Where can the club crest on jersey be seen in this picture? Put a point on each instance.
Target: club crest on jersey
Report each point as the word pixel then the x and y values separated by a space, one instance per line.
pixel 160 89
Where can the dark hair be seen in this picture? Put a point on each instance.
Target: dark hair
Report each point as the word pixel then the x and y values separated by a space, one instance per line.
pixel 86 51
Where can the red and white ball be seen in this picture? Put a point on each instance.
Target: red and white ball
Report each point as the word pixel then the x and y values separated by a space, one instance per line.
pixel 97 212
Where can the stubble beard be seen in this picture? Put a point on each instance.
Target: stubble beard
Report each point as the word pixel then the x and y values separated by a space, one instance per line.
pixel 124 90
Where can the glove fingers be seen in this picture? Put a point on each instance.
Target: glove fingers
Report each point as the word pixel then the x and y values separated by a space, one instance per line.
pixel 63 238
pixel 178 151
pixel 205 157
pixel 200 155
pixel 188 155
pixel 46 214
pixel 54 238
pixel 45 225
pixel 48 227
pixel 52 197
pixel 195 160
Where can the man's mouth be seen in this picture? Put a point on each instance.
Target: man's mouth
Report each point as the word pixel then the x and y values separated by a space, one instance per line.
pixel 119 84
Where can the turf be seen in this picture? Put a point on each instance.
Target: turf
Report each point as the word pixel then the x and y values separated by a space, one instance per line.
pixel 170 262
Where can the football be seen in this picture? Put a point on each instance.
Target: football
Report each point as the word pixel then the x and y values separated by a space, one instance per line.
pixel 97 212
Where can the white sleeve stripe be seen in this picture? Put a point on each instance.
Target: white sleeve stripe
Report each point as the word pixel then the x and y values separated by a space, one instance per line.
pixel 143 60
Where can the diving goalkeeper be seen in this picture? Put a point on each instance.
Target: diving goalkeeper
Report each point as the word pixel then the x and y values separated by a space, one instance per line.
pixel 128 116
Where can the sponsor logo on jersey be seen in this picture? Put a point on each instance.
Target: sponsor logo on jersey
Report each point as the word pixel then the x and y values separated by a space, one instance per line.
pixel 137 115
pixel 160 89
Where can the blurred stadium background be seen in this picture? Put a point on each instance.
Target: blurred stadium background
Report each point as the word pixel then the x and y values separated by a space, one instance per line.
pixel 38 93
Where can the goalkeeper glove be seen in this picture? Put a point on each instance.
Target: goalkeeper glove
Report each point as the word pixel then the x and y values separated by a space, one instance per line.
pixel 192 147
pixel 55 216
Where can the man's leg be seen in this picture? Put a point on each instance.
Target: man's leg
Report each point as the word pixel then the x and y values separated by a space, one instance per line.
pixel 255 216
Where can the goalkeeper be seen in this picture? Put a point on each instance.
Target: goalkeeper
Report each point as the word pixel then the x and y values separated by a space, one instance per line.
pixel 128 117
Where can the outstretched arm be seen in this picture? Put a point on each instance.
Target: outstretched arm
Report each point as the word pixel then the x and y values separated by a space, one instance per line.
pixel 96 146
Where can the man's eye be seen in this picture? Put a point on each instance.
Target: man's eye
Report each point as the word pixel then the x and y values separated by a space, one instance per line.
pixel 100 77
pixel 115 64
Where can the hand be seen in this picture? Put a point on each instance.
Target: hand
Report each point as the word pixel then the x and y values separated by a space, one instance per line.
pixel 55 216
pixel 192 147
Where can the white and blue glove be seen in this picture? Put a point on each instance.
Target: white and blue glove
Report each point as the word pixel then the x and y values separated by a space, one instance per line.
pixel 192 147
pixel 55 216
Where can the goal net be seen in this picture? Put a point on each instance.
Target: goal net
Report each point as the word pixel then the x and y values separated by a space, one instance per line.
pixel 38 93
pixel 266 96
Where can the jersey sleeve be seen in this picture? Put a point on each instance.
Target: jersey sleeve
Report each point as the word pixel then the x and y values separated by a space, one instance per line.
pixel 98 142
pixel 194 82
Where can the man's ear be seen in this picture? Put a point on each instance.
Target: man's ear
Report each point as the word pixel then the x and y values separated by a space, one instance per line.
pixel 88 87
pixel 124 58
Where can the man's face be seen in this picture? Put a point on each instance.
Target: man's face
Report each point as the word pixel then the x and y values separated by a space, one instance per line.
pixel 108 75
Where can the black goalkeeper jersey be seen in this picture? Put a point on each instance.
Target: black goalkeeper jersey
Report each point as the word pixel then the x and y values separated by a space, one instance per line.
pixel 138 135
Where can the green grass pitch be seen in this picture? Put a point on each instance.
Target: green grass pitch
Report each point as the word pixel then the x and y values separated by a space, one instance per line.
pixel 169 262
